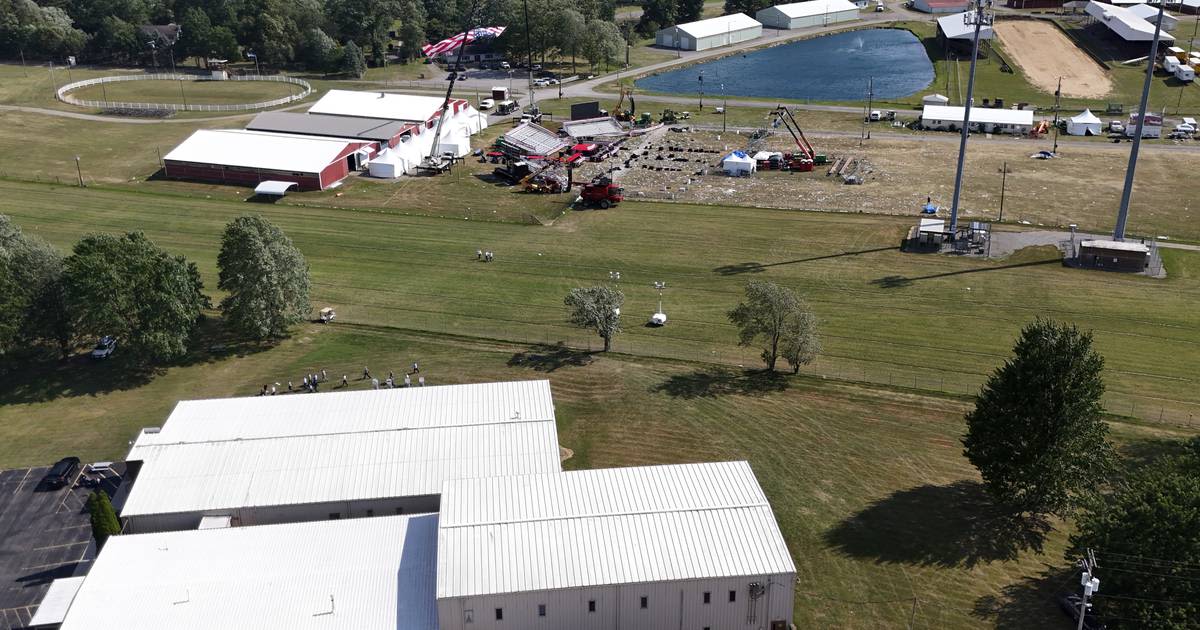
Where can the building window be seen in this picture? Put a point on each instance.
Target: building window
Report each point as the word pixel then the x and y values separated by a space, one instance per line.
pixel 468 616
pixel 645 602
pixel 541 610
pixel 499 614
pixel 591 605
pixel 733 596
pixel 707 597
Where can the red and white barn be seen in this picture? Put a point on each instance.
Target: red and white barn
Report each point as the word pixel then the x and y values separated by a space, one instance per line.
pixel 236 156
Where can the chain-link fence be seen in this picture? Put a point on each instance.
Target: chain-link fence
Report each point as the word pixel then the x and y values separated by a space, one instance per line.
pixel 63 93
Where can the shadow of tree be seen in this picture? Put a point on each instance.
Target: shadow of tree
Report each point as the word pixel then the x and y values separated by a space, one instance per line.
pixel 1031 602
pixel 757 267
pixel 740 268
pixel 956 525
pixel 547 358
pixel 893 282
pixel 720 381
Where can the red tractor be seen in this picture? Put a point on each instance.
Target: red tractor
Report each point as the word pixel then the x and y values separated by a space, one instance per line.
pixel 602 192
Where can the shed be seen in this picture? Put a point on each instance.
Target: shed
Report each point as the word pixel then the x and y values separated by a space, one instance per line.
pixel 711 33
pixel 807 14
pixel 987 120
pixel 941 6
pixel 1085 124
pixel 955 26
pixel 1114 255
pixel 738 164
pixel 935 99
pixel 247 158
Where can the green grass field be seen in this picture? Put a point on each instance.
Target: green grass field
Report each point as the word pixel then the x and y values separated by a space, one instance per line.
pixel 196 92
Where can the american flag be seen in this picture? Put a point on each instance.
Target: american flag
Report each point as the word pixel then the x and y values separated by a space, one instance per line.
pixel 451 43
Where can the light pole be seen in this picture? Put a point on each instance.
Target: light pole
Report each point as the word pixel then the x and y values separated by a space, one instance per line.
pixel 980 18
pixel 724 107
pixel 1123 212
pixel 1003 184
pixel 257 68
pixel 153 52
pixel 79 171
pixel 700 78
pixel 627 47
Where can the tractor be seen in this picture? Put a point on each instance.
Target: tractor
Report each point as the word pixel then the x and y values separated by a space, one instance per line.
pixel 601 192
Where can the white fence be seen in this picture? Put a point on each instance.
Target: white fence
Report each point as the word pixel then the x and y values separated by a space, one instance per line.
pixel 63 93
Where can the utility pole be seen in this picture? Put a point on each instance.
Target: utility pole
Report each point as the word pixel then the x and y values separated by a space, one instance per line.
pixel 1057 95
pixel 529 52
pixel 1090 583
pixel 980 17
pixel 700 78
pixel 1003 183
pixel 79 171
pixel 724 107
pixel 1123 212
pixel 24 71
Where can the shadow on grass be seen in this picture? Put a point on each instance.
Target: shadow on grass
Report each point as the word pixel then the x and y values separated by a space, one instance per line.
pixel 894 282
pixel 757 267
pixel 947 526
pixel 1029 603
pixel 547 358
pixel 40 376
pixel 720 381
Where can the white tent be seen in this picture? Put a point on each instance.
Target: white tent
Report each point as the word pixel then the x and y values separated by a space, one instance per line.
pixel 738 163
pixel 935 99
pixel 387 165
pixel 1085 124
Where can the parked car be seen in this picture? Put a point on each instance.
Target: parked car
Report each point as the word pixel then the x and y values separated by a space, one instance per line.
pixel 486 104
pixel 1070 607
pixel 536 67
pixel 1185 128
pixel 104 348
pixel 541 82
pixel 1116 126
pixel 62 473
pixel 504 65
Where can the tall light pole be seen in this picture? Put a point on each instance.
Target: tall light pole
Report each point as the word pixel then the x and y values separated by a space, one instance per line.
pixel 724 107
pixel 1057 96
pixel 79 171
pixel 1123 212
pixel 980 18
pixel 700 78
pixel 257 68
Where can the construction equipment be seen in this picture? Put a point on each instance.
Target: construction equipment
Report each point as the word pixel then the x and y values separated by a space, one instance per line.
pixel 670 116
pixel 513 171
pixel 436 163
pixel 547 179
pixel 601 192
pixel 625 115
pixel 803 160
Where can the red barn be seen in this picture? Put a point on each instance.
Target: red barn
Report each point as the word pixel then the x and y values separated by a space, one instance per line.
pixel 235 156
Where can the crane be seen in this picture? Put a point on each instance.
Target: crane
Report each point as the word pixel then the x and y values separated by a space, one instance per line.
pixel 620 114
pixel 807 157
pixel 434 162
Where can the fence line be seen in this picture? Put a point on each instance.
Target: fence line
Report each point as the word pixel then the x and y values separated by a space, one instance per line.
pixel 63 93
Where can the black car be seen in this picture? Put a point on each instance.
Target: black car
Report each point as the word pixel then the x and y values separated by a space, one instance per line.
pixel 1070 606
pixel 62 473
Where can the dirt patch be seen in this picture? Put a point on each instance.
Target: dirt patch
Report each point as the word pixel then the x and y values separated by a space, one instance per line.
pixel 1044 53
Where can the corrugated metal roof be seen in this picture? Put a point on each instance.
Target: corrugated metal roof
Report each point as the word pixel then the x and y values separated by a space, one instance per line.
pixel 56 601
pixel 954 26
pixel 284 450
pixel 719 25
pixel 378 572
pixel 322 125
pixel 592 127
pixel 814 7
pixel 613 526
pixel 390 106
pixel 1125 23
pixel 534 139
pixel 259 149
pixel 988 115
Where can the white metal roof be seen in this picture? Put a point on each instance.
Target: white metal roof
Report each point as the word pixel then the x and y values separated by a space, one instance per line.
pixel 987 115
pixel 386 105
pixel 260 149
pixel 56 601
pixel 273 187
pixel 613 526
pixel 1125 23
pixel 1116 245
pixel 1085 117
pixel 354 574
pixel 308 448
pixel 718 25
pixel 814 7
pixel 954 26
pixel 1150 14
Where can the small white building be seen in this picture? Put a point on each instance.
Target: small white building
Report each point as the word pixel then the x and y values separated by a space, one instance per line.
pixel 711 33
pixel 807 14
pixel 283 459
pixel 359 574
pixel 647 548
pixel 987 120
pixel 955 26
pixel 1085 124
pixel 935 99
pixel 941 6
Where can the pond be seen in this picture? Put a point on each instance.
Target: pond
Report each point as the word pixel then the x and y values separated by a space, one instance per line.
pixel 827 68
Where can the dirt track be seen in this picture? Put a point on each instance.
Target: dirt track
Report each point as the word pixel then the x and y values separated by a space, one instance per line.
pixel 1044 53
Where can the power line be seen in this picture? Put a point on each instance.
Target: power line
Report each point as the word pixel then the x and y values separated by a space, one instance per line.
pixel 1109 567
pixel 1169 602
pixel 1126 555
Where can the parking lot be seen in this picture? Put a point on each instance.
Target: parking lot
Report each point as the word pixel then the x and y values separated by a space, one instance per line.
pixel 44 535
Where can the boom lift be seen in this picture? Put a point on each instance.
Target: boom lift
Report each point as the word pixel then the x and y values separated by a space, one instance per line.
pixel 436 163
pixel 804 159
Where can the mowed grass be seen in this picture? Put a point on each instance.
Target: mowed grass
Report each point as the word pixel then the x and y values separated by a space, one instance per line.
pixel 193 92
pixel 913 321
pixel 877 504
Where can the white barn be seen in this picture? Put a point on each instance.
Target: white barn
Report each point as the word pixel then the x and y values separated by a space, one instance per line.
pixel 1124 23
pixel 710 33
pixel 985 119
pixel 305 457
pixel 688 546
pixel 806 14
pixel 1150 14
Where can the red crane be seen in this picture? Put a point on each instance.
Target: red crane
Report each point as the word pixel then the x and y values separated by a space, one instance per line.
pixel 804 160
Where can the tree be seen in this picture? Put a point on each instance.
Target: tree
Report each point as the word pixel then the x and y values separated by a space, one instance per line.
pixel 363 21
pixel 749 7
pixel 1036 433
pixel 1154 513
pixel 656 13
pixel 318 51
pixel 30 277
pixel 32 30
pixel 572 31
pixel 781 319
pixel 353 63
pixel 691 10
pixel 265 276
pixel 195 33
pixel 597 308
pixel 128 287
pixel 603 42
pixel 103 517
pixel 412 29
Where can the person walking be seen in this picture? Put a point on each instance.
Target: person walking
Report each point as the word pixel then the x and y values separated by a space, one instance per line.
pixel 344 383
pixel 416 368
pixel 273 390
pixel 374 383
pixel 421 381
pixel 324 376
pixel 407 381
pixel 290 389
pixel 366 373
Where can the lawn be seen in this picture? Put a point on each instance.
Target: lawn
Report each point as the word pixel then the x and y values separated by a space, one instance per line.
pixel 930 323
pixel 195 92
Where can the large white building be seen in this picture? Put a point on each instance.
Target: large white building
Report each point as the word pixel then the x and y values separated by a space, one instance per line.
pixel 689 546
pixel 806 14
pixel 1124 23
pixel 359 574
pixel 985 119
pixel 275 459
pixel 711 33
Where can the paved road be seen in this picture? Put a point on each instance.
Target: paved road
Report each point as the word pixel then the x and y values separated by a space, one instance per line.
pixel 136 121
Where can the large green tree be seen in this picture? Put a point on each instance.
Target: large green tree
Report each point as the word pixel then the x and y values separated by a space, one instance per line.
pixel 1145 533
pixel 412 29
pixel 126 286
pixel 104 519
pixel 690 10
pixel 30 30
pixel 596 308
pixel 265 276
pixel 366 22
pixel 778 318
pixel 30 283
pixel 1036 433
pixel 602 42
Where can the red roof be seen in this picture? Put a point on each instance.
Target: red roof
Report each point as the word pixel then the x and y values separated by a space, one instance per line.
pixel 583 148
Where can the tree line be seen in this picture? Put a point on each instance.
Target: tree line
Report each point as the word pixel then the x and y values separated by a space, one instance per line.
pixel 152 302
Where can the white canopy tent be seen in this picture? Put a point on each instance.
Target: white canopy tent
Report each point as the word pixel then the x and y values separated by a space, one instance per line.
pixel 738 163
pixel 1085 124
pixel 388 165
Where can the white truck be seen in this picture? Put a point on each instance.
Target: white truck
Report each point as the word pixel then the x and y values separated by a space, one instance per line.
pixel 1185 73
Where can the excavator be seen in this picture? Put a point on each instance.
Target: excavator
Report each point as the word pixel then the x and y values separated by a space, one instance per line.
pixel 625 115
pixel 806 157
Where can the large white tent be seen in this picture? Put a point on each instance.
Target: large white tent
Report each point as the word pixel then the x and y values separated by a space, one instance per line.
pixel 711 33
pixel 738 163
pixel 1085 124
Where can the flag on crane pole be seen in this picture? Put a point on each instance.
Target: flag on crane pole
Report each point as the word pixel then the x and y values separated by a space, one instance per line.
pixel 452 43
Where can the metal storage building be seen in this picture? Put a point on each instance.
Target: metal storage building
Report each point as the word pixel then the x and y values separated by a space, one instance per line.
pixel 955 26
pixel 985 119
pixel 1125 256
pixel 360 574
pixel 646 548
pixel 710 33
pixel 382 133
pixel 247 158
pixel 1124 23
pixel 277 459
pixel 806 14
pixel 941 6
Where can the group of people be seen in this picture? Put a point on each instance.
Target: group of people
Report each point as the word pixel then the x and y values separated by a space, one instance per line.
pixel 390 381
pixel 311 383
pixel 485 256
